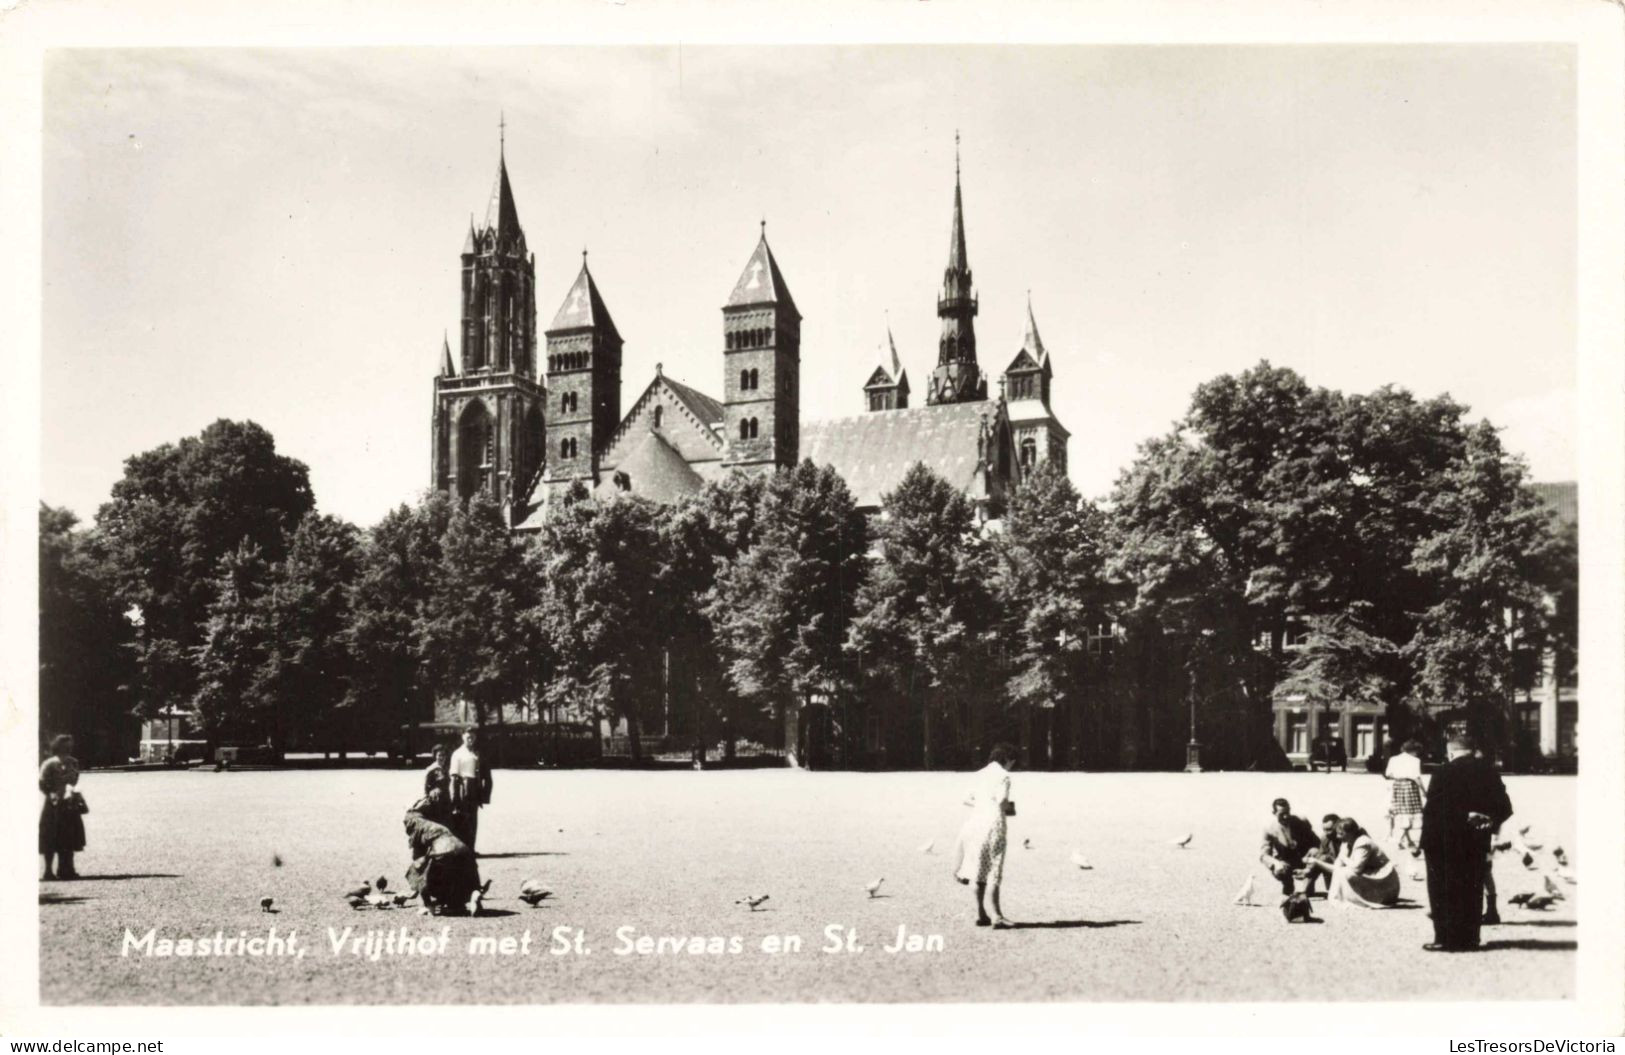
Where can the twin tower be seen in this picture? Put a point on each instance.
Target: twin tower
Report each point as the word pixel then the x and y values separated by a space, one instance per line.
pixel 498 428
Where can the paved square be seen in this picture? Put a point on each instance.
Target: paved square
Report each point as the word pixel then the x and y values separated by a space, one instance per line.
pixel 669 853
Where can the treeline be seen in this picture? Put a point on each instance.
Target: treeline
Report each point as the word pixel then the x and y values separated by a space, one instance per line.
pixel 1392 540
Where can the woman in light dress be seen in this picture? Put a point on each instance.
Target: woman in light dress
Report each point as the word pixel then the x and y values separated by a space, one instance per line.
pixel 979 851
pixel 1362 874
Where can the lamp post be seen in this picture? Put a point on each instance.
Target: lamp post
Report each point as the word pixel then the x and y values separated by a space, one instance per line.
pixel 1193 750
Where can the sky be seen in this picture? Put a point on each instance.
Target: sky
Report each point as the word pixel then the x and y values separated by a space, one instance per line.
pixel 275 234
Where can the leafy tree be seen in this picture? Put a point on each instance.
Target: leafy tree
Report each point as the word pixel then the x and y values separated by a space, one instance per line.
pixel 926 610
pixel 471 629
pixel 782 608
pixel 306 676
pixel 1053 595
pixel 398 572
pixel 599 611
pixel 84 653
pixel 178 509
pixel 231 657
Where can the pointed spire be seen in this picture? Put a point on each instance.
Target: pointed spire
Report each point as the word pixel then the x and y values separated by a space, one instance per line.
pixel 501 214
pixel 761 282
pixel 447 368
pixel 583 306
pixel 468 239
pixel 1031 343
pixel 896 363
pixel 958 260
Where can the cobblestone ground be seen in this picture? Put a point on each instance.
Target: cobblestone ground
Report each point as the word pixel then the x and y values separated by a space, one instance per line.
pixel 668 854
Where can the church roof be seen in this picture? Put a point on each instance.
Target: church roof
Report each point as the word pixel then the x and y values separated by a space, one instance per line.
pixel 447 369
pixel 655 469
pixel 761 282
pixel 501 213
pixel 1564 498
pixel 583 307
pixel 1031 343
pixel 872 451
pixel 708 410
pixel 1026 411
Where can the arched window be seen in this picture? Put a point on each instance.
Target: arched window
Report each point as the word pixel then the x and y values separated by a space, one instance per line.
pixel 1029 452
pixel 474 450
pixel 744 428
pixel 755 381
pixel 744 380
pixel 755 428
pixel 658 409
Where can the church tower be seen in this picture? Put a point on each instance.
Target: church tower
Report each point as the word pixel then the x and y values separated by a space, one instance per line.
pixel 1038 435
pixel 887 387
pixel 489 404
pixel 584 383
pixel 761 371
pixel 957 378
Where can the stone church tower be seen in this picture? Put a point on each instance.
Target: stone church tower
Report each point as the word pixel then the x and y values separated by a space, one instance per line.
pixel 957 378
pixel 761 368
pixel 489 404
pixel 1040 437
pixel 584 384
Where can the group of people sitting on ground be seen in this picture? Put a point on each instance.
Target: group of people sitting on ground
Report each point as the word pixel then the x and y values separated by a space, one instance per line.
pixel 1354 868
pixel 441 828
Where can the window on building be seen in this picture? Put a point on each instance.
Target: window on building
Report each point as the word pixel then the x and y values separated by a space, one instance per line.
pixel 658 409
pixel 755 380
pixel 1297 733
pixel 1101 636
pixel 744 428
pixel 1029 453
pixel 1365 738
pixel 1295 634
pixel 755 428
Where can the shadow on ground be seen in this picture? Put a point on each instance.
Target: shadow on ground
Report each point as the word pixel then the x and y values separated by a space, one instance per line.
pixel 1534 944
pixel 1071 924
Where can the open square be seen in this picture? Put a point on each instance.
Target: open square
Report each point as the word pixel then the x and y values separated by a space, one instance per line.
pixel 670 853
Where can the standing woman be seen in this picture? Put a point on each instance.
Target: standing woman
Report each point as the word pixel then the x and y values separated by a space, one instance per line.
pixel 980 848
pixel 61 824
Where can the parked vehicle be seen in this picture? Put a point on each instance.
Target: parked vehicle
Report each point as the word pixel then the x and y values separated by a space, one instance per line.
pixel 1328 751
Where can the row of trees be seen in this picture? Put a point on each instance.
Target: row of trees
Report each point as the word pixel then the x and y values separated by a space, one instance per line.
pixel 1397 532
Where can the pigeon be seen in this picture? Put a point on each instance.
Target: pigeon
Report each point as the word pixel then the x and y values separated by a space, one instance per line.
pixel 752 901
pixel 357 903
pixel 928 846
pixel 383 884
pixel 1079 860
pixel 533 896
pixel 1183 841
pixel 359 892
pixel 1245 895
pixel 1519 899
pixel 1026 844
pixel 874 887
pixel 1552 888
pixel 1540 901
pixel 265 904
pixel 1559 856
pixel 400 900
pixel 276 859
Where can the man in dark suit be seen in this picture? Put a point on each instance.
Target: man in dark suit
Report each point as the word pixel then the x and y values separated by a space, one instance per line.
pixel 1466 801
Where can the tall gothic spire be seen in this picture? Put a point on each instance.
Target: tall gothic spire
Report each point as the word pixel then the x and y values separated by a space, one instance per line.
pixel 957 377
pixel 501 214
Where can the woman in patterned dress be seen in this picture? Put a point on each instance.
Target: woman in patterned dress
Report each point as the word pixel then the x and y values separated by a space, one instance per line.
pixel 61 827
pixel 979 851
pixel 1404 771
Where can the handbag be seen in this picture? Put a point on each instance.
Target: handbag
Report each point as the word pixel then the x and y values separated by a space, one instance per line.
pixel 78 804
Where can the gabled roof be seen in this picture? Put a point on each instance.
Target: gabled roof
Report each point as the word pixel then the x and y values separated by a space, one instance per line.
pixel 708 410
pixel 761 282
pixel 1022 361
pixel 889 368
pixel 1027 411
pixel 872 451
pixel 501 213
pixel 654 469
pixel 583 307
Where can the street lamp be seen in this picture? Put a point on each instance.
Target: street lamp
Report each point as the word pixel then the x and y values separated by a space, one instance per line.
pixel 1193 750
